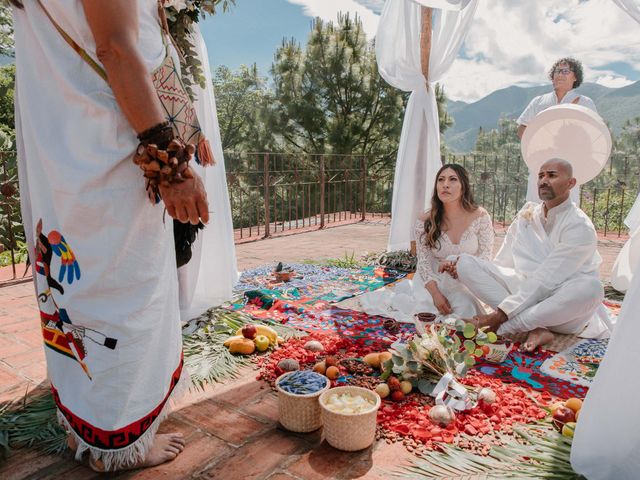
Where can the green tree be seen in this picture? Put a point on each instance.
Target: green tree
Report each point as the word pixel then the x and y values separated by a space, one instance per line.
pixel 445 119
pixel 330 98
pixel 6 31
pixel 7 89
pixel 241 100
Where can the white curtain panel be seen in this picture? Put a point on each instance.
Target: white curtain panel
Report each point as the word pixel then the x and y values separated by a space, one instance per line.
pixel 623 268
pixel 606 444
pixel 398 56
pixel 208 279
pixel 632 7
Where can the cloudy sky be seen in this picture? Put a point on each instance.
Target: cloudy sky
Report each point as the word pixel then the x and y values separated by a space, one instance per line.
pixel 510 42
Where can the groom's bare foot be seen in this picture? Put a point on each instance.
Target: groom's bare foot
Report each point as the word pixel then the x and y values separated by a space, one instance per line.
pixel 537 338
pixel 165 448
pixel 491 320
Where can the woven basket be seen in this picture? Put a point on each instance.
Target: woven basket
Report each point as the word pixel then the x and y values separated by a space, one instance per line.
pixel 299 413
pixel 349 431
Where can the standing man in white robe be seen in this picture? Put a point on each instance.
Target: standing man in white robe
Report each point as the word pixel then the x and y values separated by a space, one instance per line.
pixel 566 75
pixel 545 277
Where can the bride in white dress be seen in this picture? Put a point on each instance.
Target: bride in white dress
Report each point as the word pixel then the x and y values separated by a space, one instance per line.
pixel 453 225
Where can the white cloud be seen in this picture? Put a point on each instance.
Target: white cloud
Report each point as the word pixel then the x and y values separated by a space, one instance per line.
pixel 328 10
pixel 514 42
pixel 613 81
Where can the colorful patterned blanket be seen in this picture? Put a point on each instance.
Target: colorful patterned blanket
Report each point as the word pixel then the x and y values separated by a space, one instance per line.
pixel 319 316
pixel 317 282
pixel 577 364
pixel 526 369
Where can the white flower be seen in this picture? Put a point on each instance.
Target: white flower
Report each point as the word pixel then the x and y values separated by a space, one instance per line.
pixel 527 212
pixel 176 4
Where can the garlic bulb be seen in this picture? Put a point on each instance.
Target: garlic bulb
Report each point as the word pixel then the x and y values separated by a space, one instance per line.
pixel 441 415
pixel 486 395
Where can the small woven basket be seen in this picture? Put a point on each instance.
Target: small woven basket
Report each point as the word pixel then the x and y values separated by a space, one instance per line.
pixel 299 413
pixel 350 431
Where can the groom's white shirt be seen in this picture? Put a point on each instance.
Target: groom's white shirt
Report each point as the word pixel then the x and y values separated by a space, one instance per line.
pixel 546 252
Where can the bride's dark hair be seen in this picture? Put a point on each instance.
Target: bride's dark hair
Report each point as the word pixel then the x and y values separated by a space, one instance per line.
pixel 16 3
pixel 433 223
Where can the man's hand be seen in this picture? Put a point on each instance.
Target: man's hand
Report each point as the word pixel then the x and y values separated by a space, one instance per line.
pixel 187 201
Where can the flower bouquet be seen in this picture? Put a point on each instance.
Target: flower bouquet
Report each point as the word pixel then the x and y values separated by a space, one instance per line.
pixel 435 360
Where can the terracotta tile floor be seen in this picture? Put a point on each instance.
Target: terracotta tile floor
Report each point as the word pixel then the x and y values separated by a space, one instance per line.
pixel 231 429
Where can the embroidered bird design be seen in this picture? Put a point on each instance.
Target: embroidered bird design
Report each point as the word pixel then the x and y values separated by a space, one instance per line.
pixel 69 264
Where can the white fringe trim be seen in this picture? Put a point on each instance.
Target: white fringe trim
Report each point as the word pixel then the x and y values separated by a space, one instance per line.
pixel 130 455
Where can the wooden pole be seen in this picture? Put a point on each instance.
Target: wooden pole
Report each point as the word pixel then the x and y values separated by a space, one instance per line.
pixel 425 41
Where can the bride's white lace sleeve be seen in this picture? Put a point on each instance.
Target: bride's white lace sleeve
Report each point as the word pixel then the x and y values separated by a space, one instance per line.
pixel 485 236
pixel 424 254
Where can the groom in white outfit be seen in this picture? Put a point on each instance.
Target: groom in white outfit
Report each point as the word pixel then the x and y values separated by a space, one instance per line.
pixel 545 277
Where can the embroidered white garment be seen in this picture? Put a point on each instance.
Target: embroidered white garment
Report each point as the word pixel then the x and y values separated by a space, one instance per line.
pixel 104 260
pixel 408 297
pixel 537 105
pixel 208 279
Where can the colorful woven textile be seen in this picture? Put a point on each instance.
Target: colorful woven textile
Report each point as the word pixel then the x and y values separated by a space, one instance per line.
pixel 322 317
pixel 577 364
pixel 525 369
pixel 316 282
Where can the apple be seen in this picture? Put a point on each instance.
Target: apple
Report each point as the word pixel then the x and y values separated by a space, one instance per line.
pixel 394 383
pixel 249 331
pixel 331 361
pixel 397 396
pixel 563 415
pixel 262 342
pixel 406 387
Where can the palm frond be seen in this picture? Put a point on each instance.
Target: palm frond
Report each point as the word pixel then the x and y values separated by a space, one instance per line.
pixel 31 423
pixel 535 451
pixel 207 359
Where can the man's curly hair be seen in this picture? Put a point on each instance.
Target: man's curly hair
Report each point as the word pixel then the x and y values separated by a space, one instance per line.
pixel 574 65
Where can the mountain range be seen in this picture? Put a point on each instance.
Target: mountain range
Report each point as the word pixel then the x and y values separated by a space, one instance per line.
pixel 615 105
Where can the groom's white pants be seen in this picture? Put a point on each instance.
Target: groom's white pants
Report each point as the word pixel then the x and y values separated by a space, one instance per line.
pixel 566 310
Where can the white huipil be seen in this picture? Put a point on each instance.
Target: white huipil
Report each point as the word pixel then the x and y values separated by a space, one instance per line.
pixel 104 260
pixel 545 274
pixel 208 279
pixel 537 105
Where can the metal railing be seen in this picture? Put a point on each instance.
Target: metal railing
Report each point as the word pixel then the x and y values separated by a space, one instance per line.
pixel 500 185
pixel 274 193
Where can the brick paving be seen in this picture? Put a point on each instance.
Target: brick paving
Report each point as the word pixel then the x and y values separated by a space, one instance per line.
pixel 231 430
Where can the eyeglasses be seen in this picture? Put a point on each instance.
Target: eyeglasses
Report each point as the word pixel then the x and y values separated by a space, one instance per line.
pixel 562 71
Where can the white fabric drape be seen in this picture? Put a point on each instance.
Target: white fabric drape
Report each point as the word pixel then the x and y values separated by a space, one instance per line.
pixel 606 443
pixel 632 7
pixel 622 271
pixel 208 279
pixel 398 56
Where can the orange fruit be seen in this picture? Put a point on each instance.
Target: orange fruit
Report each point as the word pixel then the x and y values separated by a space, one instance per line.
pixel 332 372
pixel 574 404
pixel 578 414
